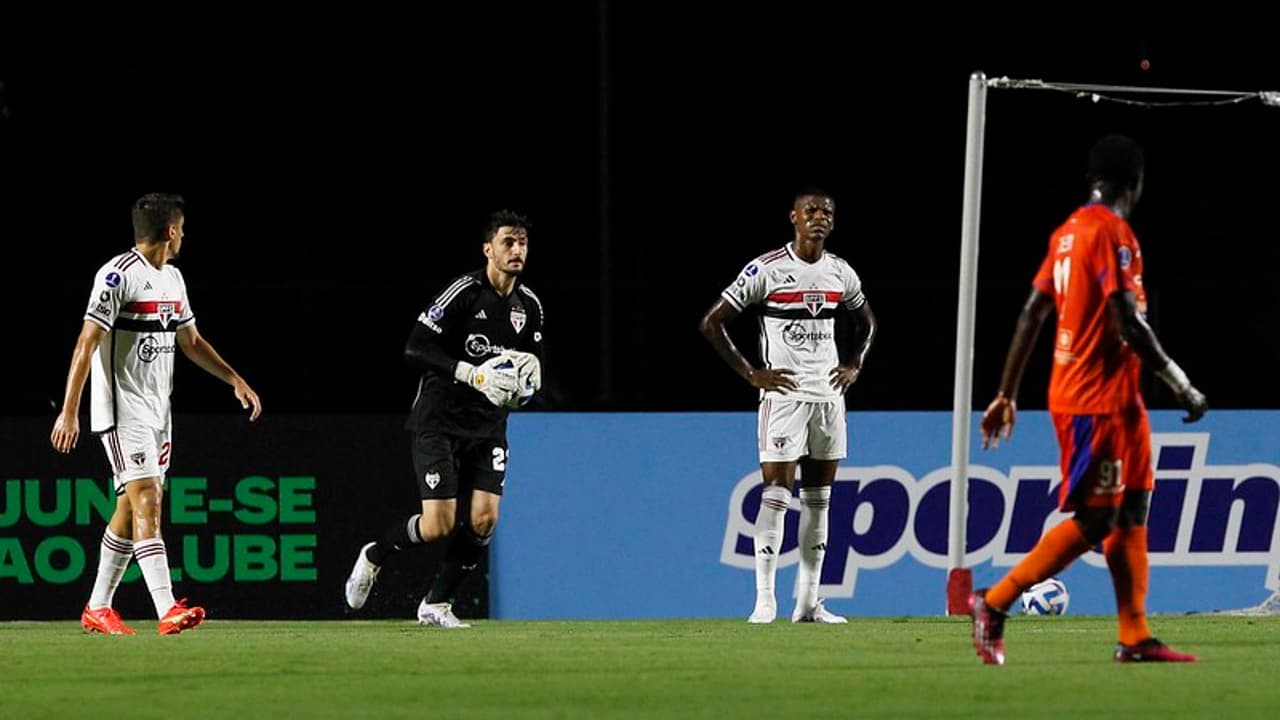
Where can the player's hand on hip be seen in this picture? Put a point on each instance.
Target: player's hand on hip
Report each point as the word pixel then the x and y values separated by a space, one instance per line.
pixel 997 421
pixel 842 376
pixel 779 379
pixel 248 399
pixel 1194 402
pixel 66 432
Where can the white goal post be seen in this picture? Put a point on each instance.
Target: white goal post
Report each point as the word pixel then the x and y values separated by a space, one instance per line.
pixel 959 576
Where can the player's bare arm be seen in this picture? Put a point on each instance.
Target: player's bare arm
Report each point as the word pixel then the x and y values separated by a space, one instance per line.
pixel 999 418
pixel 713 329
pixel 1138 334
pixel 843 376
pixel 199 351
pixel 66 429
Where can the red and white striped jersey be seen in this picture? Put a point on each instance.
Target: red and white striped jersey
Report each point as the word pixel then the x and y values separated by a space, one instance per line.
pixel 141 308
pixel 799 302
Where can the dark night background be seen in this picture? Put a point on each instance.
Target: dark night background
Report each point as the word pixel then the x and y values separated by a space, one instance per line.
pixel 336 178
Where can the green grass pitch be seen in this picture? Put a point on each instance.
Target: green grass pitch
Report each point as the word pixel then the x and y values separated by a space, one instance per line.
pixel 724 669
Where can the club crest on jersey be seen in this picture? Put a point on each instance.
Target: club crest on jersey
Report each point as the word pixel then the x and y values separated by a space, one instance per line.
pixel 815 301
pixel 165 311
pixel 518 317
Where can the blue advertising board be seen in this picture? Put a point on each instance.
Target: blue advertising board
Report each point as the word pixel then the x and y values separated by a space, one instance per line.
pixel 651 515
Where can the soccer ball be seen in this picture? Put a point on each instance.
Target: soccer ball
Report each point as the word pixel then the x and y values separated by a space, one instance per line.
pixel 1046 598
pixel 528 379
pixel 524 392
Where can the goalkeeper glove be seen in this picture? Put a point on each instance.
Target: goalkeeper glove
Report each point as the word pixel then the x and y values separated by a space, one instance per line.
pixel 494 378
pixel 528 377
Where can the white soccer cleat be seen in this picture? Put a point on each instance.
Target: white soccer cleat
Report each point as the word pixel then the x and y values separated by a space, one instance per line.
pixel 764 613
pixel 439 615
pixel 360 581
pixel 818 614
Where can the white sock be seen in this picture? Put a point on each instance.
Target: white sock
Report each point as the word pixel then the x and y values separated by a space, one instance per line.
pixel 813 544
pixel 768 540
pixel 154 562
pixel 112 562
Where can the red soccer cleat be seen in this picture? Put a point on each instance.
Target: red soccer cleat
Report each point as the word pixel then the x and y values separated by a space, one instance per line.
pixel 1151 650
pixel 103 620
pixel 180 617
pixel 988 629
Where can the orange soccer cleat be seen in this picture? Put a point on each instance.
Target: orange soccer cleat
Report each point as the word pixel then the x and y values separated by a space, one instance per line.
pixel 103 620
pixel 180 617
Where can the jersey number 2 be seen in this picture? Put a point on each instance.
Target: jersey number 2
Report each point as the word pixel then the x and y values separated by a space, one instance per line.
pixel 499 459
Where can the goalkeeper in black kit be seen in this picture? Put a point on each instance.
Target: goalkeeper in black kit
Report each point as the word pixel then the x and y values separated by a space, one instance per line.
pixel 480 347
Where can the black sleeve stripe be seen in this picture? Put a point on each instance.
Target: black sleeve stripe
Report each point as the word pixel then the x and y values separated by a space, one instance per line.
pixel 105 325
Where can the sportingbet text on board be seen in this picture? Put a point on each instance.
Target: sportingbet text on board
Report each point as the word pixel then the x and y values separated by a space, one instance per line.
pixel 671 501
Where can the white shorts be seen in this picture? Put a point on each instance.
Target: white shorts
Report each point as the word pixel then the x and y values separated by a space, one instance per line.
pixel 791 429
pixel 137 452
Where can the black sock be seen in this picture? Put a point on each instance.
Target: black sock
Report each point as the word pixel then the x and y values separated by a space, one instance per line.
pixel 397 537
pixel 461 557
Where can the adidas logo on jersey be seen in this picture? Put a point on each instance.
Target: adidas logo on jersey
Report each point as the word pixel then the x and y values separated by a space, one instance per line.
pixel 147 286
pixel 481 315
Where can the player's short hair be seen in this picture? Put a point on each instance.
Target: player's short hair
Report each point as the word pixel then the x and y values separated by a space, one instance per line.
pixel 154 212
pixel 507 218
pixel 811 191
pixel 1115 159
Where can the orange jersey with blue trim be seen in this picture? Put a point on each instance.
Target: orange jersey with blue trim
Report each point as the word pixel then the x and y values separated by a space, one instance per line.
pixel 1092 255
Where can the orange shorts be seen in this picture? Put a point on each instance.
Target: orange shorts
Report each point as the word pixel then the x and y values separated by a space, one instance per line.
pixel 1102 456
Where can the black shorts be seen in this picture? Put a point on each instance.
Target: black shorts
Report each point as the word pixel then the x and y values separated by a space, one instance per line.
pixel 447 464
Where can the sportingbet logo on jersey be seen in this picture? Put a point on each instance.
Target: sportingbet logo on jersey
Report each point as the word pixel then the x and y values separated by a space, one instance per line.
pixel 1201 515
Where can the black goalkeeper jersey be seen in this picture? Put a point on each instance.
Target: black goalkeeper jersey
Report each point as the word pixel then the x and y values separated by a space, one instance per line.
pixel 468 321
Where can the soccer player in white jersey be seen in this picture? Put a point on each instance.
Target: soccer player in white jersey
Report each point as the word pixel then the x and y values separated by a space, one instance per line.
pixel 800 289
pixel 138 315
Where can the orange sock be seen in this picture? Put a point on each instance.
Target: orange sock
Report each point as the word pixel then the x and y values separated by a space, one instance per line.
pixel 1126 550
pixel 1054 552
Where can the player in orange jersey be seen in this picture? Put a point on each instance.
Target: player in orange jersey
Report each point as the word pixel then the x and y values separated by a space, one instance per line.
pixel 1092 277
